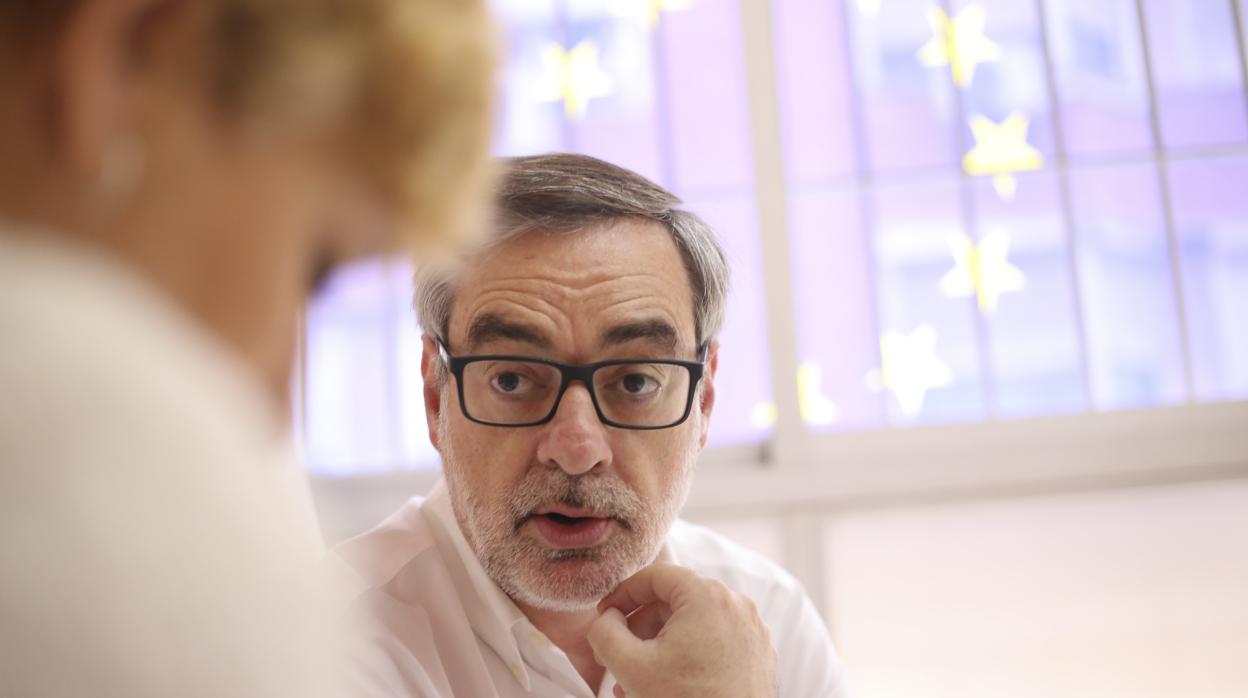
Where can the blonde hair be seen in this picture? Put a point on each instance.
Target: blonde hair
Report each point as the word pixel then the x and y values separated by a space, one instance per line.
pixel 411 80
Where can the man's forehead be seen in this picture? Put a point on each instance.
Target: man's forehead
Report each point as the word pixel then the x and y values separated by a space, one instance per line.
pixel 622 282
pixel 490 328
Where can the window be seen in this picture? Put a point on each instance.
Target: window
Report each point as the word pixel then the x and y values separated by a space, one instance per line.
pixel 993 210
pixel 1014 208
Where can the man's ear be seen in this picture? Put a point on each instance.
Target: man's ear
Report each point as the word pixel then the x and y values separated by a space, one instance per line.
pixel 706 400
pixel 430 369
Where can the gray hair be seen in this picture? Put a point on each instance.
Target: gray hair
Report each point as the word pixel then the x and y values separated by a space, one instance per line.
pixel 566 192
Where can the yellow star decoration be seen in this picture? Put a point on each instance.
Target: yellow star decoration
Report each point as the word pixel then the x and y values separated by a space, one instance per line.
pixel 958 43
pixel 572 77
pixel 764 415
pixel 1001 150
pixel 815 407
pixel 982 270
pixel 869 8
pixel 910 368
pixel 651 10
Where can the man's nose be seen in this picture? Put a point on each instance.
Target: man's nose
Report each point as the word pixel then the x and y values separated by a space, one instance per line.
pixel 575 441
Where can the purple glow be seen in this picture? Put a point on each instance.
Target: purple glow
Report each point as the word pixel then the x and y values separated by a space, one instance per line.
pixel 1211 224
pixel 525 125
pixel 744 379
pixel 1015 82
pixel 909 110
pixel 1033 335
pixel 625 127
pixel 832 292
pixel 1100 77
pixel 349 425
pixel 1197 72
pixel 915 222
pixel 814 89
pixel 1130 317
pixel 707 101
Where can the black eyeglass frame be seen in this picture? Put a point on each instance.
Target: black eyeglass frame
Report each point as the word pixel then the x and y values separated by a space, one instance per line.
pixel 574 372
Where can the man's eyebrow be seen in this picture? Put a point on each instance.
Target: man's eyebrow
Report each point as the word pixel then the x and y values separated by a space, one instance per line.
pixel 658 332
pixel 490 327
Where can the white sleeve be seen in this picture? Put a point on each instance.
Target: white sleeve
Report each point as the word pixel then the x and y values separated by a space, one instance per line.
pixel 809 665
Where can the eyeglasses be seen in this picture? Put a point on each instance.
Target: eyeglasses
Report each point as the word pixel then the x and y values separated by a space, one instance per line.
pixel 523 391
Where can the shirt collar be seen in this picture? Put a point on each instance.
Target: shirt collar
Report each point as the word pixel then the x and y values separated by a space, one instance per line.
pixel 494 616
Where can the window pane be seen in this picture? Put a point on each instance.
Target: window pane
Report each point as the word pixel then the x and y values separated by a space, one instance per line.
pixel 526 124
pixel 1211 222
pixel 1125 276
pixel 704 66
pixel 623 126
pixel 349 378
pixel 931 361
pixel 909 110
pixel 814 89
pixel 1034 331
pixel 1099 73
pixel 1014 81
pixel 835 309
pixel 1197 72
pixel 743 385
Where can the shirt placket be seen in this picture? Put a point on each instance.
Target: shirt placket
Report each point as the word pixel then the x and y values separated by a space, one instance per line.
pixel 547 659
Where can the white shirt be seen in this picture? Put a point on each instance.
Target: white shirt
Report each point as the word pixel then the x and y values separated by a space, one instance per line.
pixel 156 538
pixel 448 630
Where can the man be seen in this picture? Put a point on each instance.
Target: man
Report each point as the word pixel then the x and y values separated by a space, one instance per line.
pixel 176 178
pixel 569 375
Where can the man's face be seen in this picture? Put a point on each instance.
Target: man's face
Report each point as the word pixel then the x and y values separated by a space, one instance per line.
pixel 561 513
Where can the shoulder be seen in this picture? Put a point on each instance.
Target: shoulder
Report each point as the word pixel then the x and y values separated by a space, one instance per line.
pixel 379 555
pixel 142 456
pixel 99 367
pixel 809 665
pixel 741 569
pixel 113 402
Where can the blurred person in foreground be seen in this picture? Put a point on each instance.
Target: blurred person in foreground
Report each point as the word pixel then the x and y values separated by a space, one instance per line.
pixel 569 373
pixel 177 175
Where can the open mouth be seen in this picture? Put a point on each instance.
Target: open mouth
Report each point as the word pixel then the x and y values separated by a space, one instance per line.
pixel 564 520
pixel 561 529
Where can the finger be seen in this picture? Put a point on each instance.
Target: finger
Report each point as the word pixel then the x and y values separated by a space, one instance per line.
pixel 658 583
pixel 647 621
pixel 615 646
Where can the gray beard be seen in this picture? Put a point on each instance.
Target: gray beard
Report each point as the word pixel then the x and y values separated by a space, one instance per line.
pixel 563 580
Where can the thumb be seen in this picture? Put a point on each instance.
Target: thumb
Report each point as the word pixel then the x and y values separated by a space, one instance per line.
pixel 615 646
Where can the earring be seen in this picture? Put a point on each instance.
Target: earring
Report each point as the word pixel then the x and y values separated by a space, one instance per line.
pixel 120 171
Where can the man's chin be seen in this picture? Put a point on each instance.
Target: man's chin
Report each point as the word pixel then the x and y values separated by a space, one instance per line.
pixel 558 604
pixel 571 581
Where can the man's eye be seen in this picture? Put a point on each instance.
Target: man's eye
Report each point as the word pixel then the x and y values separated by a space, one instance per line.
pixel 508 382
pixel 638 384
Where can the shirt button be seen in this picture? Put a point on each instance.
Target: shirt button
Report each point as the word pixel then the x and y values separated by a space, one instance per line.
pixel 539 638
pixel 518 672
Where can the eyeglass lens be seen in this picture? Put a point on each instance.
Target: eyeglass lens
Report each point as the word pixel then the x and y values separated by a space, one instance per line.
pixel 523 392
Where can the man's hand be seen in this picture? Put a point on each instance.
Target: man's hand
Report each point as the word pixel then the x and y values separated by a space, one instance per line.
pixel 666 631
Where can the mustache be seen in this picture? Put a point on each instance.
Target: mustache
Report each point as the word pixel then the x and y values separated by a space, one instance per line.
pixel 605 495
